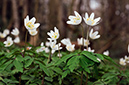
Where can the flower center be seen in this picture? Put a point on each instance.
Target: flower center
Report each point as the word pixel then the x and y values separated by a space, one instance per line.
pixel 70 48
pixel 90 21
pixel 55 35
pixel 75 19
pixel 30 25
pixel 9 43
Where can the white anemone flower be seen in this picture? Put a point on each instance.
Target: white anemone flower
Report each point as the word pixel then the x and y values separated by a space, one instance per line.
pixel 89 49
pixel 42 44
pixel 71 47
pixel 126 58
pixel 30 24
pixel 106 53
pixel 86 42
pixel 90 20
pixel 47 50
pixel 122 61
pixel 66 41
pixel 80 41
pixel 54 34
pixel 128 48
pixel 15 32
pixel 75 20
pixel 55 47
pixel 94 35
pixel 33 32
pixel 17 40
pixel 47 43
pixel 9 42
pixel 6 31
pixel 59 55
pixel 2 35
pixel 41 49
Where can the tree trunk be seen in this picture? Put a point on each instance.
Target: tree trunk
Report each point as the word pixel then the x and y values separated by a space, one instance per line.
pixel 15 13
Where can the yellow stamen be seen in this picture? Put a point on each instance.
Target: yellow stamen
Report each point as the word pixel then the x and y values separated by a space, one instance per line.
pixel 89 19
pixel 30 25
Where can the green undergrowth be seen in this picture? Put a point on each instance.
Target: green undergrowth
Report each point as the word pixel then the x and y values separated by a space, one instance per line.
pixel 32 68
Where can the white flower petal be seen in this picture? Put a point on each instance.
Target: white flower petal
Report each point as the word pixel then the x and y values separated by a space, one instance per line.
pixel 36 25
pixel 92 16
pixel 33 20
pixel 71 17
pixel 17 40
pixel 86 15
pixel 97 19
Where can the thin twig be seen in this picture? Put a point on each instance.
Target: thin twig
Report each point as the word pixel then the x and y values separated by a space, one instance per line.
pixel 81 77
pixel 26 38
pixel 59 50
pixel 82 36
pixel 87 35
pixel 20 79
pixel 43 79
pixel 86 79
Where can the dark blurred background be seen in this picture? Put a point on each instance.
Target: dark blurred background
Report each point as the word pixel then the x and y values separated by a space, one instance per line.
pixel 113 27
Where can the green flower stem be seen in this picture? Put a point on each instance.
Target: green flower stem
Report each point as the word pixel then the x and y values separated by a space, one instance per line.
pixel 81 77
pixel 49 58
pixel 82 35
pixel 20 79
pixel 23 56
pixel 26 38
pixel 59 49
pixel 33 41
pixel 42 83
pixel 82 49
pixel 86 78
pixel 88 28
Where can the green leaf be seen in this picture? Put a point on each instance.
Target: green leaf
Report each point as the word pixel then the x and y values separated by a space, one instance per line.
pixel 100 56
pixel 28 62
pixel 49 79
pixel 64 58
pixel 65 73
pixel 10 81
pixel 43 68
pixel 18 65
pixel 58 70
pixel 110 59
pixel 3 66
pixel 84 64
pixel 90 56
pixel 27 57
pixel 25 77
pixel 19 58
pixel 73 62
pixel 108 76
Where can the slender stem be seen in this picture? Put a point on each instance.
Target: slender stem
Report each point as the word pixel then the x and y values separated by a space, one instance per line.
pixel 20 79
pixel 62 82
pixel 26 38
pixel 118 83
pixel 86 79
pixel 49 58
pixel 82 35
pixel 59 50
pixel 87 35
pixel 81 77
pixel 42 83
pixel 33 41
pixel 82 49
